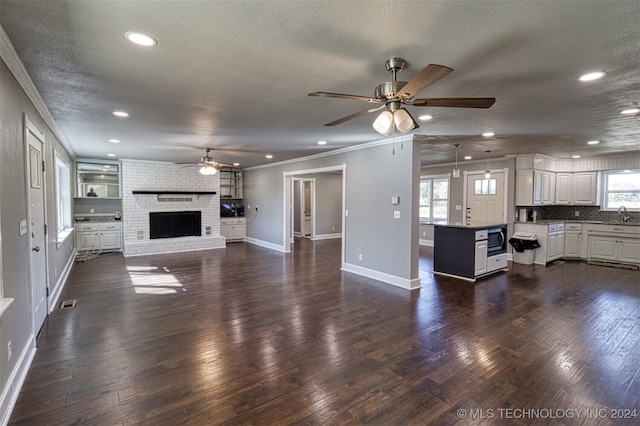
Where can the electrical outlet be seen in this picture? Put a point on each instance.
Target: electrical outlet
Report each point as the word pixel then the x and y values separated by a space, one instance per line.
pixel 9 351
pixel 333 228
pixel 396 214
pixel 360 257
pixel 577 213
pixel 424 234
pixel 93 211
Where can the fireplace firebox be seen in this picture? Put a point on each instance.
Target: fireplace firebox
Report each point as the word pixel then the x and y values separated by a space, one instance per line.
pixel 175 224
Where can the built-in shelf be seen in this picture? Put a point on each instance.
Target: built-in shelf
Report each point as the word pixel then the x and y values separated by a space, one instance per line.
pixel 173 192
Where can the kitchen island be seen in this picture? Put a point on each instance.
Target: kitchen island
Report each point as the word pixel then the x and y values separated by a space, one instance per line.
pixel 469 251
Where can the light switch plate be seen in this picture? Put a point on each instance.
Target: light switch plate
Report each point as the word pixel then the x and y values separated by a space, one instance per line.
pixel 396 214
pixel 395 200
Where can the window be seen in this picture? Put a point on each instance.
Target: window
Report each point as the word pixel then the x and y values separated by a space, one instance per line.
pixel 485 187
pixel 621 188
pixel 434 198
pixel 63 197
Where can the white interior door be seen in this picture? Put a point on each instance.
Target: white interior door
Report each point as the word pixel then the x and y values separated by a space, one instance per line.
pixel 485 198
pixel 37 258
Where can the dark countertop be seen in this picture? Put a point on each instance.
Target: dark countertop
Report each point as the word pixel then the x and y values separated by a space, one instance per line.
pixel 472 225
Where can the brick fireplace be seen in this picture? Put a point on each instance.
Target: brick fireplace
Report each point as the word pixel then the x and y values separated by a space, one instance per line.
pixel 160 187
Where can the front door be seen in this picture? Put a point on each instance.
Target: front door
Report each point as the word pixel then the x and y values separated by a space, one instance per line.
pixel 35 184
pixel 485 198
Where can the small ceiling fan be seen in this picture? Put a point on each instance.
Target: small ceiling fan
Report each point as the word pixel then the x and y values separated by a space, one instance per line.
pixel 209 164
pixel 392 95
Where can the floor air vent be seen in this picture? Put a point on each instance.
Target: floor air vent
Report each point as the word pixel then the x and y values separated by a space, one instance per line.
pixel 66 304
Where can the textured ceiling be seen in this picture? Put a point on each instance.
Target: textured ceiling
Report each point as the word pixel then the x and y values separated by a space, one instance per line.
pixel 235 76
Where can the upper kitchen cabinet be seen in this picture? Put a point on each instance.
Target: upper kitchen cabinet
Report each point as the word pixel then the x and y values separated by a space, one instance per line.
pixel 577 189
pixel 231 183
pixel 97 179
pixel 535 187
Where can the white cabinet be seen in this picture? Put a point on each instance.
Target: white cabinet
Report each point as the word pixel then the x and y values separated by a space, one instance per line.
pixel 110 237
pixel 480 258
pixel 577 188
pixel 88 237
pixel 573 240
pixel 617 243
pixel 556 242
pixel 550 236
pixel 233 229
pixel 99 236
pixel 535 187
pixel 497 262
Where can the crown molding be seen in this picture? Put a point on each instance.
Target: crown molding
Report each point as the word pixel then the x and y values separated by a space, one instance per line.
pixel 10 57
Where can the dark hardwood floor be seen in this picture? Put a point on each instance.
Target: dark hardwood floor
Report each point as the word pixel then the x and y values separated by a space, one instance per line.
pixel 248 335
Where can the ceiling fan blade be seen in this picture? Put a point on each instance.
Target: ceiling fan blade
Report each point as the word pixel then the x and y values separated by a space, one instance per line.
pixel 352 116
pixel 345 96
pixel 454 102
pixel 429 75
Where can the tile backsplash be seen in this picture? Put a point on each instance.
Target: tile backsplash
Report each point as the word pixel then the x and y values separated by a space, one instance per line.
pixel 585 213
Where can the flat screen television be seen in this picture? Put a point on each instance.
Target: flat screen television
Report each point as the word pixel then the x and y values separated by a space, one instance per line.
pixel 227 210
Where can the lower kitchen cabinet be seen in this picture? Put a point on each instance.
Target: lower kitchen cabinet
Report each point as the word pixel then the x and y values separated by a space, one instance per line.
pixel 98 237
pixel 550 236
pixel 233 229
pixel 573 240
pixel 617 249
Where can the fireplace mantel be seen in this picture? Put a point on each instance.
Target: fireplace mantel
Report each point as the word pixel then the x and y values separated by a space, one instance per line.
pixel 159 192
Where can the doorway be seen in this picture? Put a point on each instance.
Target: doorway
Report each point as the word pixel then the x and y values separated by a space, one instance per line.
pixel 292 214
pixel 35 182
pixel 304 208
pixel 485 198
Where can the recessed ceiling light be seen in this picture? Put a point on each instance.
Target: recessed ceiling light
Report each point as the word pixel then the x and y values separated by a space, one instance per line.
pixel 592 76
pixel 236 164
pixel 468 157
pixel 120 113
pixel 269 156
pixel 630 111
pixel 322 142
pixel 488 134
pixel 593 142
pixel 111 155
pixel 425 117
pixel 575 156
pixel 114 140
pixel 141 39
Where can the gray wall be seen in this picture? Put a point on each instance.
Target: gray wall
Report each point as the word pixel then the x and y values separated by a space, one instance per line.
pixel 374 174
pixel 15 323
pixel 328 203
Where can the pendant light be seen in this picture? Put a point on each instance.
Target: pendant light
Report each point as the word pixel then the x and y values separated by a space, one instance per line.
pixel 487 173
pixel 456 170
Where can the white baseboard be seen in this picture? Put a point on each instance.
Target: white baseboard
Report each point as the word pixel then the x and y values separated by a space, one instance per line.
pixel 428 243
pixel 54 295
pixel 10 393
pixel 266 244
pixel 407 284
pixel 327 236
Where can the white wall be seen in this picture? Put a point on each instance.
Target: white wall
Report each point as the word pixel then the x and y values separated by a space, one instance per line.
pixel 163 176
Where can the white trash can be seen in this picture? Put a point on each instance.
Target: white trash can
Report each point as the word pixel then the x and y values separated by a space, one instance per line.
pixel 528 241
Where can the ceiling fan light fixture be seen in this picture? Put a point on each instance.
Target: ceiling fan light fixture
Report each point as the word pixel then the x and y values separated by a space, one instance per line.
pixel 208 170
pixel 384 123
pixel 403 121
